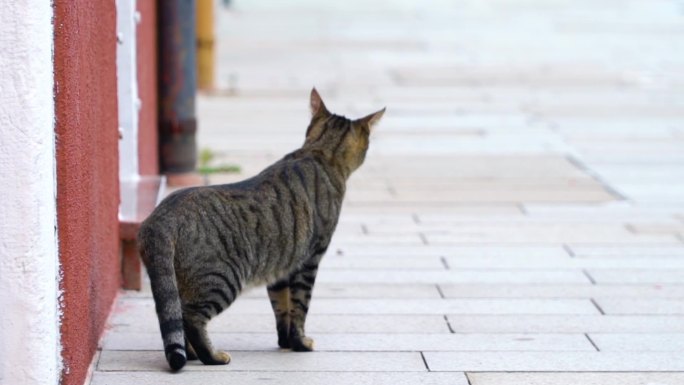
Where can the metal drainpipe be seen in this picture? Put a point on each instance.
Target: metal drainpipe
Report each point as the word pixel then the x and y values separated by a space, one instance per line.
pixel 177 86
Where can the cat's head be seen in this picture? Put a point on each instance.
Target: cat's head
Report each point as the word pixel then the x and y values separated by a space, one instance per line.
pixel 344 139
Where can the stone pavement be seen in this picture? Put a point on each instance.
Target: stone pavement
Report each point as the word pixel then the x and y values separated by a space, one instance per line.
pixel 519 218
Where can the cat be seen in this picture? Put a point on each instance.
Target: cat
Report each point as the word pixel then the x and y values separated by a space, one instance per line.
pixel 203 245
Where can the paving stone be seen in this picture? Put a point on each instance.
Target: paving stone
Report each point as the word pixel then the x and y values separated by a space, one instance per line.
pixel 558 233
pixel 481 166
pixel 427 209
pixel 599 97
pixel 379 239
pixel 620 250
pixel 375 342
pixel 598 266
pixel 632 147
pixel 553 361
pixel 499 184
pixel 467 323
pixel 654 158
pixel 498 196
pixel 362 196
pixel 661 226
pixel 146 321
pixel 664 276
pixel 491 146
pixel 452 276
pixel 353 216
pixel 343 323
pixel 641 306
pixel 334 261
pixel 261 377
pixel 639 109
pixel 662 192
pixel 154 361
pixel 662 125
pixel 425 306
pixel 623 211
pixel 567 378
pixel 464 76
pixel 561 291
pixel 623 342
pixel 456 211
pixel 640 172
pixel 397 306
pixel 512 251
pixel 472 251
pixel 577 220
pixel 342 290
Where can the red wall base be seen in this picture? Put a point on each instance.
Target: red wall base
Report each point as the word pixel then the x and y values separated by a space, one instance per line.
pixel 87 175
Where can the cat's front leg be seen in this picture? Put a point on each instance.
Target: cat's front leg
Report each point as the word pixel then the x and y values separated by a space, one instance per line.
pixel 190 351
pixel 279 294
pixel 301 286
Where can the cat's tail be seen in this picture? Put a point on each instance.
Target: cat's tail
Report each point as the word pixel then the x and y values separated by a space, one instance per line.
pixel 157 252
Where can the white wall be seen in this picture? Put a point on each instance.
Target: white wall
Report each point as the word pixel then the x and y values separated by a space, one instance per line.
pixel 127 88
pixel 29 322
pixel 129 104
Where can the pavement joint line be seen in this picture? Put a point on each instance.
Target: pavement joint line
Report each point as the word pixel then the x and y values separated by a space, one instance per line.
pixel 451 329
pixel 569 250
pixel 467 376
pixel 425 361
pixel 596 305
pixel 439 290
pixel 630 227
pixel 577 163
pixel 583 167
pixel 589 277
pixel 445 263
pixel 592 342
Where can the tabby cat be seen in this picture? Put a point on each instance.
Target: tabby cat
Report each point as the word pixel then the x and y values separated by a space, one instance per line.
pixel 203 245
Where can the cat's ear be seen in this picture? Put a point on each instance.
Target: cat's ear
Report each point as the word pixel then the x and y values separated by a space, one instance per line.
pixel 316 103
pixel 372 119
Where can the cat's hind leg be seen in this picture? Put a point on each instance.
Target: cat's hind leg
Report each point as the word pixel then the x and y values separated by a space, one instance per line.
pixel 279 294
pixel 301 286
pixel 195 326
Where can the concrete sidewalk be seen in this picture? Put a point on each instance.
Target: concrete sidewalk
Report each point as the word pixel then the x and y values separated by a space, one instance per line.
pixel 520 216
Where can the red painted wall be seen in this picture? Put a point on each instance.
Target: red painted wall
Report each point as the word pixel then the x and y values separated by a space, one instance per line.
pixel 87 175
pixel 148 158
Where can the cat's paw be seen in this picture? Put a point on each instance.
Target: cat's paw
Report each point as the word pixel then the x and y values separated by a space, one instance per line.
pixel 284 342
pixel 222 357
pixel 302 344
pixel 218 358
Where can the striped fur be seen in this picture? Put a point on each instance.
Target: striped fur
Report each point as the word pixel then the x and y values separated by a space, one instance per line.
pixel 203 245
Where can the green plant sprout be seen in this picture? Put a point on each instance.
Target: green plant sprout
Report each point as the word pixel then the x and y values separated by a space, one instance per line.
pixel 206 158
